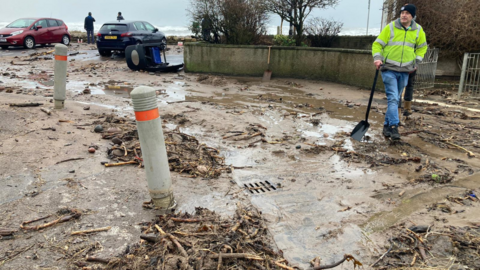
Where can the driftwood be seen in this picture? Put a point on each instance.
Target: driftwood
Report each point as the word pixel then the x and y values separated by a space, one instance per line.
pixel 151 239
pixel 186 219
pixel 121 163
pixel 74 214
pixel 96 259
pixel 25 104
pixel 47 111
pixel 173 239
pixel 7 232
pixel 91 231
pixel 237 256
pixel 234 135
pixel 70 159
pixel 31 221
pixel 249 137
pixel 469 153
pixel 19 63
pixel 346 257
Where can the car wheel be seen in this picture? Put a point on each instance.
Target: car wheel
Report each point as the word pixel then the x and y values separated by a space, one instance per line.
pixel 29 43
pixel 4 47
pixel 105 52
pixel 135 57
pixel 65 40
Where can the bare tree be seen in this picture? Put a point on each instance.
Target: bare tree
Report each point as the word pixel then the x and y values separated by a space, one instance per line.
pixel 322 32
pixel 296 12
pixel 233 21
pixel 452 26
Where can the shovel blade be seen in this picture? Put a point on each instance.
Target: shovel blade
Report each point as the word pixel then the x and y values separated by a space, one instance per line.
pixel 267 75
pixel 360 130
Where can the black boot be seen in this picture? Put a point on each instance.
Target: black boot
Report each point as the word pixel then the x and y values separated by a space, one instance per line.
pixel 394 133
pixel 386 131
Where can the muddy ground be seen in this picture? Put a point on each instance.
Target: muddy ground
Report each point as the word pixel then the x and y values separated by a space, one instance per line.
pixel 327 195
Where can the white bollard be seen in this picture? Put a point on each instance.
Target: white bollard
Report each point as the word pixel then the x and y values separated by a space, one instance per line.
pixel 152 142
pixel 60 75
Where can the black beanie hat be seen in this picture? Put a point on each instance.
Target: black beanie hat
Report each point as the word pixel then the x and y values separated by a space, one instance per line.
pixel 410 8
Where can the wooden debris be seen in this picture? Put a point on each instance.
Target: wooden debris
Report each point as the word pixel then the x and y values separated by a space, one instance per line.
pixel 91 231
pixel 469 153
pixel 193 242
pixel 33 104
pixel 70 159
pixel 186 219
pixel 47 111
pixel 249 136
pixel 346 257
pixel 74 213
pixel 121 163
pixel 96 259
pixel 7 232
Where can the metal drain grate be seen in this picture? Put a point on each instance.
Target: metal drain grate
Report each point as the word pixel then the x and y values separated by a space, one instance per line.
pixel 259 187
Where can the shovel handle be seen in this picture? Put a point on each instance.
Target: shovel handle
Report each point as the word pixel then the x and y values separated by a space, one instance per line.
pixel 371 96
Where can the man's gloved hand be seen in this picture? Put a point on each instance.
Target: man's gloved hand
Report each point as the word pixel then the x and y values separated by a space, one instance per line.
pixel 413 70
pixel 378 63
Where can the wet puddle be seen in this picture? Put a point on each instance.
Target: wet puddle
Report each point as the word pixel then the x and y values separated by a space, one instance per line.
pixel 304 212
pixel 409 205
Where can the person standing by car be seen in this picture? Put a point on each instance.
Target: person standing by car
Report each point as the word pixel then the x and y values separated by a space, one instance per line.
pixel 89 20
pixel 119 16
pixel 398 51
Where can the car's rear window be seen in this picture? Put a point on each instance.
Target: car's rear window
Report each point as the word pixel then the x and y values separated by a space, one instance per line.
pixel 52 23
pixel 60 23
pixel 22 23
pixel 114 27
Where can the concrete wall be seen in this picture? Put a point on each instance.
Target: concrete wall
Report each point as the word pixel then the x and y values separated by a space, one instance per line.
pixel 448 66
pixel 354 42
pixel 352 67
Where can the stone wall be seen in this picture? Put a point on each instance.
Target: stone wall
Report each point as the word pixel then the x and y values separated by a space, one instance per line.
pixel 351 67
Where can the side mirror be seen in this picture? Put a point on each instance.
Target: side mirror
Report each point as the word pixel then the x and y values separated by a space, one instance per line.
pixel 155 30
pixel 39 27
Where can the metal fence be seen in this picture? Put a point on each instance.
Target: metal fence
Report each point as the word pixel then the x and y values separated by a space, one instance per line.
pixel 470 79
pixel 426 70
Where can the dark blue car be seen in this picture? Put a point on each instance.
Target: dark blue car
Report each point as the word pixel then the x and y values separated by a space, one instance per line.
pixel 117 35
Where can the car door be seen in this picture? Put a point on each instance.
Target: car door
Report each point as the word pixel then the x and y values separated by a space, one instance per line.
pixel 141 32
pixel 55 32
pixel 154 36
pixel 41 35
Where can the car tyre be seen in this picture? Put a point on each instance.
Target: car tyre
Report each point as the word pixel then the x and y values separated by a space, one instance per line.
pixel 65 40
pixel 135 57
pixel 29 43
pixel 105 52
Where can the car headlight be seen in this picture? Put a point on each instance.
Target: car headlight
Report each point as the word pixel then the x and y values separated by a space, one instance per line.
pixel 16 33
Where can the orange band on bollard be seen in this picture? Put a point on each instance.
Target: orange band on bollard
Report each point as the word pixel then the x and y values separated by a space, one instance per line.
pixel 147 115
pixel 61 57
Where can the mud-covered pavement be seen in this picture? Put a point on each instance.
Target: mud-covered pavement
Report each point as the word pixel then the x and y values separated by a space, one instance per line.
pixel 325 195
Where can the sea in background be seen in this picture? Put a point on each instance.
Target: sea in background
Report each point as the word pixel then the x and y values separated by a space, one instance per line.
pixel 182 31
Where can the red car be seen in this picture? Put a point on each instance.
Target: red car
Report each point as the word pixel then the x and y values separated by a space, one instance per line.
pixel 28 32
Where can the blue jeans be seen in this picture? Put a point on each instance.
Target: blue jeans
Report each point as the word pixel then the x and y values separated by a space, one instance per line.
pixel 90 36
pixel 394 83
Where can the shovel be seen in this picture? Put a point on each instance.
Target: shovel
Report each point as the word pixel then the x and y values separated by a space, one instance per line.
pixel 362 127
pixel 268 73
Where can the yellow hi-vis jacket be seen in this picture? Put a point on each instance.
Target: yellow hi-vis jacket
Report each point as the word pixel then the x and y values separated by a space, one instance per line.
pixel 400 49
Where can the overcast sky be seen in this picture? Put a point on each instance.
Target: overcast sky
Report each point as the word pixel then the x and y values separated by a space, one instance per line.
pixel 353 13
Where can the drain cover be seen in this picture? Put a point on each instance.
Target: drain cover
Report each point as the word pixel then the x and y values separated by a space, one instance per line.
pixel 259 187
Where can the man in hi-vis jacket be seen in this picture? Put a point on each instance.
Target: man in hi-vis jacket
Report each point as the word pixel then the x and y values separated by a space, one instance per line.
pixel 398 50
